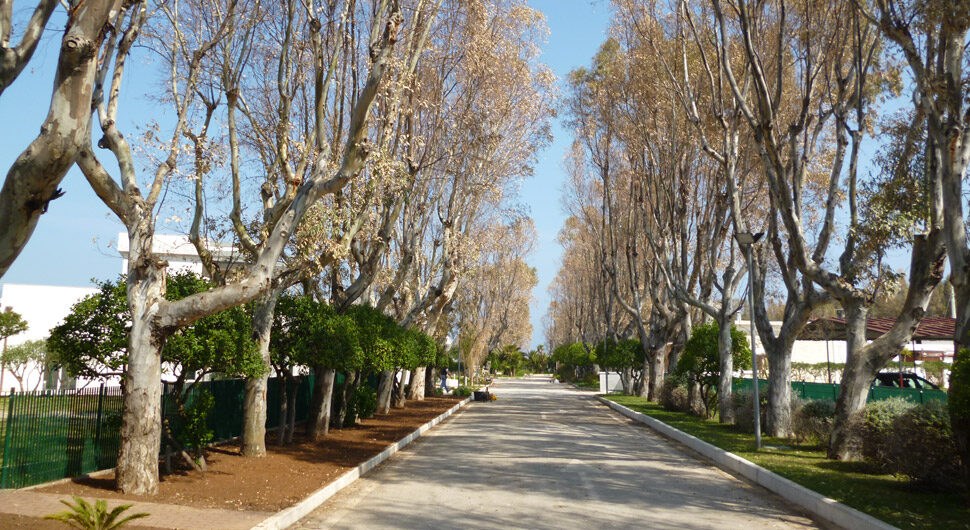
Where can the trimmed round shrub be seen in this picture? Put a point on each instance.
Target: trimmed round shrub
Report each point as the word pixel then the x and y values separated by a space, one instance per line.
pixel 923 447
pixel 812 421
pixel 673 395
pixel 875 431
pixel 462 391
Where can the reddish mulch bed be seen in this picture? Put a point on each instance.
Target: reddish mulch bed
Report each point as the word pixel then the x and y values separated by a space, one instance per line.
pixel 285 476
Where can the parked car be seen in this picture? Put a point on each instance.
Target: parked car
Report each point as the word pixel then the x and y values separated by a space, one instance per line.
pixel 908 381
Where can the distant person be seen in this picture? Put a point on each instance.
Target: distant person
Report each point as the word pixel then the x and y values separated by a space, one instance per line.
pixel 444 379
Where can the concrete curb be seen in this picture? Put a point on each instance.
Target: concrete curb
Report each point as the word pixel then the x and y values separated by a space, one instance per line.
pixel 285 518
pixel 824 508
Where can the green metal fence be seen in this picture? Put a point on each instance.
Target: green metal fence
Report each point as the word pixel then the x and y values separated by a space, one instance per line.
pixel 46 436
pixel 824 391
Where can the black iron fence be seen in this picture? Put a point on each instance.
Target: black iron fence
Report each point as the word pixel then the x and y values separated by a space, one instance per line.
pixel 50 435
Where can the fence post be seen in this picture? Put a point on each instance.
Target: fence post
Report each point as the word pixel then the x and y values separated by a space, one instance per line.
pixel 6 441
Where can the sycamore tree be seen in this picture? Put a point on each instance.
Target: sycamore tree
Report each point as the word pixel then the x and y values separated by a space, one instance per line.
pixel 837 75
pixel 155 319
pixel 92 342
pixel 31 181
pixel 11 323
pixel 493 309
pixel 24 359
pixel 931 36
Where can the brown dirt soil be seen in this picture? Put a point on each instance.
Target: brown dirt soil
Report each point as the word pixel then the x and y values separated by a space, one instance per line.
pixel 285 476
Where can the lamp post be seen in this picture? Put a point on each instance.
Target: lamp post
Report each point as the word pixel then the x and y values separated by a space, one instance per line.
pixel 748 240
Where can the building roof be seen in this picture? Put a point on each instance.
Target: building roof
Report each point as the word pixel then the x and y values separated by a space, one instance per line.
pixel 831 328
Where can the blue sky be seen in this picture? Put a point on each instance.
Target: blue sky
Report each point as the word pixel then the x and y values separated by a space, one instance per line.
pixel 577 28
pixel 74 242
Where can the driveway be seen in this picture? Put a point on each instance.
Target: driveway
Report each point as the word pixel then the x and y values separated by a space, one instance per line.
pixel 546 456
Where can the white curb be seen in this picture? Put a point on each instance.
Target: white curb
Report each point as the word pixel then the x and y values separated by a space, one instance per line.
pixel 285 518
pixel 824 508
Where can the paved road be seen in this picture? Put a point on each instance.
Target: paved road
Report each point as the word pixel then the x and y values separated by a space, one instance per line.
pixel 547 457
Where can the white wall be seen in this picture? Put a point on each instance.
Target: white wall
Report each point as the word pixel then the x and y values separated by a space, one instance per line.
pixel 820 351
pixel 178 251
pixel 43 307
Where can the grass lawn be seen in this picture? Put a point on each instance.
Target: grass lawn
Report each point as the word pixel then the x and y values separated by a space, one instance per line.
pixel 886 497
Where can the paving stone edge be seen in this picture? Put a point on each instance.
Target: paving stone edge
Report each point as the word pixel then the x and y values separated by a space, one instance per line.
pixel 823 507
pixel 283 519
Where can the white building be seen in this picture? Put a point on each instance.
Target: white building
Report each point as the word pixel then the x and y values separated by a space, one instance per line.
pixel 821 341
pixel 179 252
pixel 45 306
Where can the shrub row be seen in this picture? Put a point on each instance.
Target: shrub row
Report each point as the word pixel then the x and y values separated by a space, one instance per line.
pixel 893 436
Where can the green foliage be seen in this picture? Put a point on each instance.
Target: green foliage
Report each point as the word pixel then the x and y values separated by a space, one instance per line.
pixel 377 335
pixel 508 360
pixel 959 405
pixel 24 353
pixel 193 432
pixel 700 362
pixel 875 430
pixel 893 201
pixel 92 341
pixel 573 359
pixel 11 323
pixel 311 333
pixel 364 402
pixel 575 354
pixel 816 371
pixel 619 355
pixel 84 515
pixel 222 342
pixel 813 422
pixel 462 391
pixel 923 448
pixel 539 361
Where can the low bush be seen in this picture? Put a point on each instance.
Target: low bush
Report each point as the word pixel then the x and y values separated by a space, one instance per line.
pixel 875 431
pixel 673 395
pixel 192 430
pixel 362 405
pixel 462 391
pixel 365 401
pixel 922 446
pixel 743 404
pixel 812 422
pixel 959 408
pixel 589 381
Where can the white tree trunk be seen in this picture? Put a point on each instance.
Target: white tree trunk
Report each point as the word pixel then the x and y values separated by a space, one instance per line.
pixel 254 405
pixel 417 388
pixel 141 421
pixel 319 422
pixel 398 398
pixel 724 389
pixel 384 390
